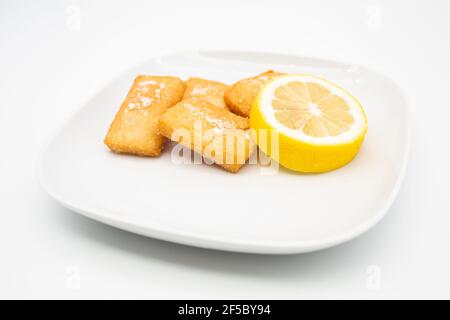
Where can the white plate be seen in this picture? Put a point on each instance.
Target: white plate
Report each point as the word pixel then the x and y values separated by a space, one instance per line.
pixel 207 207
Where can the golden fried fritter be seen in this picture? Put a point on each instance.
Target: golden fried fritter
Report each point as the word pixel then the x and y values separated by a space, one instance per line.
pixel 134 128
pixel 239 97
pixel 219 135
pixel 208 90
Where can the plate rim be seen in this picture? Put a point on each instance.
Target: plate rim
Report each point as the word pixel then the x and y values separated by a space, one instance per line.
pixel 164 233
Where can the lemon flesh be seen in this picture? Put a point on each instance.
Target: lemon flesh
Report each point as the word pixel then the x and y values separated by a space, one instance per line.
pixel 311 124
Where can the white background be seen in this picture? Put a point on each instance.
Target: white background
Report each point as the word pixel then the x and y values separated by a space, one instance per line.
pixel 54 55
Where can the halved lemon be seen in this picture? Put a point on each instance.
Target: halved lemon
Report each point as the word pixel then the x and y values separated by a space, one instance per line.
pixel 310 124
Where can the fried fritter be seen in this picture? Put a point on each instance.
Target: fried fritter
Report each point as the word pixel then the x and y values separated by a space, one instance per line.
pixel 217 134
pixel 208 90
pixel 134 128
pixel 239 97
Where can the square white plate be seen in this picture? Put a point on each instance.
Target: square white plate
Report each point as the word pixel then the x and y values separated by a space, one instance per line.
pixel 205 206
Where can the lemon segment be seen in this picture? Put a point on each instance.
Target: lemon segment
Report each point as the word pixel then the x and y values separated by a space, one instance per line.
pixel 318 126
